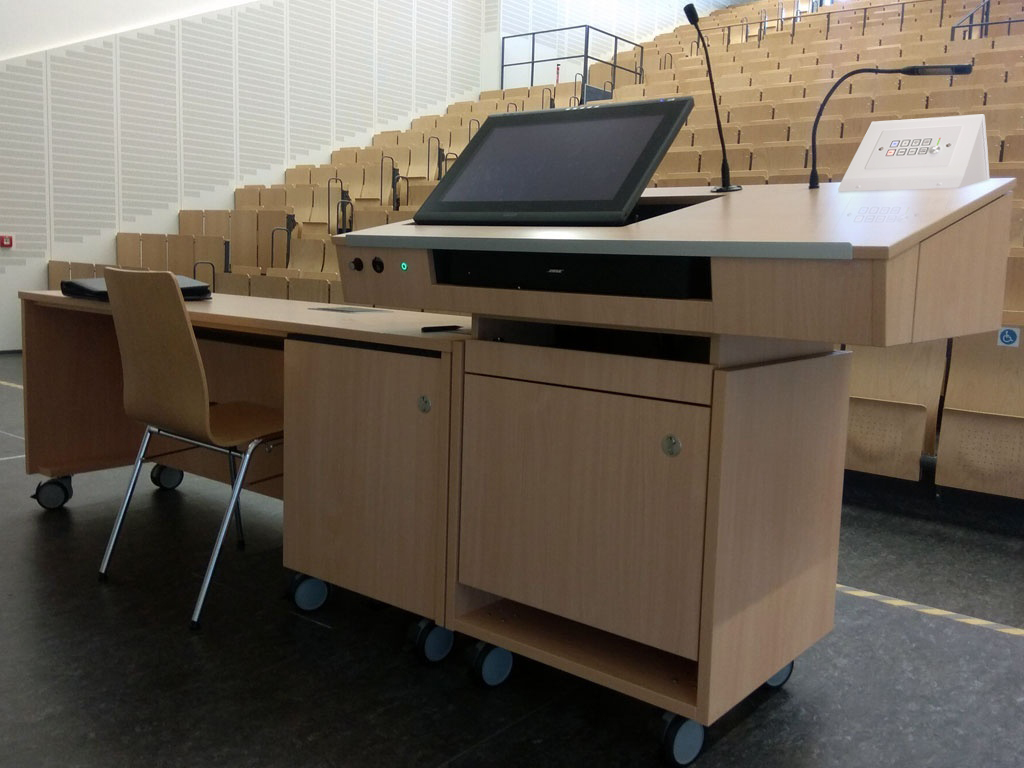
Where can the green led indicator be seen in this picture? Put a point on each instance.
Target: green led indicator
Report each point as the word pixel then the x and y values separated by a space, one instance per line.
pixel 405 266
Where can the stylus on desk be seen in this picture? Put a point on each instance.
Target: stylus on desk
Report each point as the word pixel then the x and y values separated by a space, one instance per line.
pixel 439 328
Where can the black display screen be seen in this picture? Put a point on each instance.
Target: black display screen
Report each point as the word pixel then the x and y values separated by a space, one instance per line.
pixel 582 165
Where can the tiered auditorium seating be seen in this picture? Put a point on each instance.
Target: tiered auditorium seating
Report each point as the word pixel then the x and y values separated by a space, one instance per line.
pixel 769 91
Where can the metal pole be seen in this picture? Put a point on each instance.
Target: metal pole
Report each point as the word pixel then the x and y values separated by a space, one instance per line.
pixel 533 56
pixel 586 64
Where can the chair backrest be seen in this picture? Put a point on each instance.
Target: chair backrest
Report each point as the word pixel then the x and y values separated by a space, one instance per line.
pixel 164 380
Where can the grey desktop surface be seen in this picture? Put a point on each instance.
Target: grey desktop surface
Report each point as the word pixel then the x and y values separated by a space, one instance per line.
pixel 782 221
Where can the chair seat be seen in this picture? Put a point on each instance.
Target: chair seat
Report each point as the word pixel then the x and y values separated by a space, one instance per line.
pixel 237 423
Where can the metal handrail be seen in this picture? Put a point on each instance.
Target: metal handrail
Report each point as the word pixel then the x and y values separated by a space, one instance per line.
pixel 341 193
pixel 345 204
pixel 586 56
pixel 967 24
pixel 440 156
pixel 396 195
pixel 213 271
pixel 780 20
pixel 290 224
pixel 394 170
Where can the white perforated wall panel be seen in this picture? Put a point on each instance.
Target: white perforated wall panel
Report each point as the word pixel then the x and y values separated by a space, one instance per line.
pixel 83 142
pixel 431 52
pixel 262 95
pixel 148 110
pixel 492 15
pixel 310 91
pixel 466 38
pixel 395 56
pixel 24 205
pixel 208 115
pixel 355 31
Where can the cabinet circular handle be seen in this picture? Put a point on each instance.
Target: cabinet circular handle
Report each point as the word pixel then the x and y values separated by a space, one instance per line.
pixel 424 404
pixel 670 445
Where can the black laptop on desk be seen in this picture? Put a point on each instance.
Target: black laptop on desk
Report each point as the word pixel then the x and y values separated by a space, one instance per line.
pixel 96 288
pixel 585 165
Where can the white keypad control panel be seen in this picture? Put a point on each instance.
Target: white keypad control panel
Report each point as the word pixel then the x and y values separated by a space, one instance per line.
pixel 914 148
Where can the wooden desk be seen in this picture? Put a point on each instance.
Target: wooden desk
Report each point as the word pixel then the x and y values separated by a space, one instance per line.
pixel 649 489
pixel 642 492
pixel 363 457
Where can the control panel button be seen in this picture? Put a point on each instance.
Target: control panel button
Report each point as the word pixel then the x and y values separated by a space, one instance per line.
pixel 377 264
pixel 356 265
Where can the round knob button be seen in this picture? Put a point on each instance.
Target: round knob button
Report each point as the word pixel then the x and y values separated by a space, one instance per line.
pixel 377 264
pixel 356 265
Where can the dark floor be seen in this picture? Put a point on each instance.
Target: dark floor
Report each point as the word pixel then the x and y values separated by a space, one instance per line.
pixel 110 675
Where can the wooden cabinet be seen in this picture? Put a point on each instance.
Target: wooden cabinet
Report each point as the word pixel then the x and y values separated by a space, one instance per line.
pixel 667 528
pixel 586 504
pixel 366 469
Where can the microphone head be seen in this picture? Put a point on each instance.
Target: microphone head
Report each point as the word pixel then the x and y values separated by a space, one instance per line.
pixel 691 14
pixel 937 69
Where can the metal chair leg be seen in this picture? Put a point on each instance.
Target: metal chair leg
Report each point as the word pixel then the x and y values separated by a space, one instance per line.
pixel 238 504
pixel 119 520
pixel 236 489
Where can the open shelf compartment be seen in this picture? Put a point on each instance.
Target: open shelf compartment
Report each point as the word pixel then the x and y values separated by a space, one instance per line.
pixel 637 670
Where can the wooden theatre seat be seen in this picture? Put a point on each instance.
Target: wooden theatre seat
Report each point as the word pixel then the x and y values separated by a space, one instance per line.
pixel 894 405
pixel 981 445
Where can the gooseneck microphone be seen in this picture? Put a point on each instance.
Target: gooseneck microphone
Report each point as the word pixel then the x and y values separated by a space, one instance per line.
pixel 691 16
pixel 920 69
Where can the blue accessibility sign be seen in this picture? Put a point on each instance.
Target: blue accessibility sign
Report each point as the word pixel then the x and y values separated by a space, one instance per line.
pixel 1009 337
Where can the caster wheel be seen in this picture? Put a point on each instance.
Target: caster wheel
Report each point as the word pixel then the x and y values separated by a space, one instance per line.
pixel 433 643
pixel 167 478
pixel 682 739
pixel 55 493
pixel 309 594
pixel 491 665
pixel 781 677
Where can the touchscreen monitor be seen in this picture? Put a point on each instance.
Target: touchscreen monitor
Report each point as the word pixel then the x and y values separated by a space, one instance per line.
pixel 580 165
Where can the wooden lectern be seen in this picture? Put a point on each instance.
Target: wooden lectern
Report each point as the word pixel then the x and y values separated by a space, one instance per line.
pixel 646 483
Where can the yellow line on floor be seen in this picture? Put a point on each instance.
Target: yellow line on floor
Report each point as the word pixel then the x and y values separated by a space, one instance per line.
pixel 897 602
pixel 11 384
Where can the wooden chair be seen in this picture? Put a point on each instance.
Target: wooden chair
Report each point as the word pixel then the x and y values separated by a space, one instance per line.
pixel 190 222
pixel 779 156
pixel 307 255
pixel 749 113
pixel 165 387
pixel 763 131
pixel 707 135
pixel 769 78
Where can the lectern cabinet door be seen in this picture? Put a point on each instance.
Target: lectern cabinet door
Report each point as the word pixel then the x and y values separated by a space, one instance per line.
pixel 366 470
pixel 587 505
